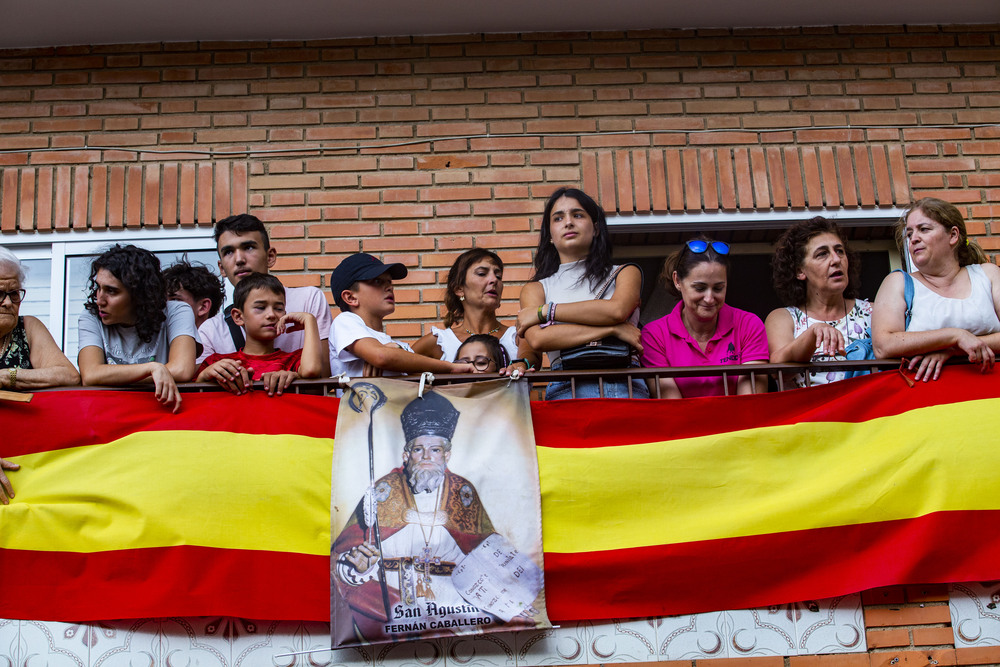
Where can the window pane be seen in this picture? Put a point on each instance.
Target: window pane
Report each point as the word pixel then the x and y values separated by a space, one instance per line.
pixel 36 282
pixel 78 273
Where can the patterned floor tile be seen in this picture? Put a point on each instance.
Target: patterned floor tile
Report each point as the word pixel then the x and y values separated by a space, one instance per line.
pixel 832 625
pixel 290 643
pixel 54 644
pixel 759 632
pixel 623 641
pixel 10 634
pixel 975 613
pixel 428 653
pixel 184 645
pixel 130 642
pixel 565 645
pixel 693 637
pixel 488 650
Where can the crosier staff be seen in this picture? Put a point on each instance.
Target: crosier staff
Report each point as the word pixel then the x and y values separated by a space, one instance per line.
pixel 362 393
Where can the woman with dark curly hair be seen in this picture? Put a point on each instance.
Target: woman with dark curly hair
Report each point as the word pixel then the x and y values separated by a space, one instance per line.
pixel 471 299
pixel 129 332
pixel 817 277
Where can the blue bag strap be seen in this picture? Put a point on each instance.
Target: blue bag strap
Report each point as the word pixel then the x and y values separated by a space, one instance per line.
pixel 907 295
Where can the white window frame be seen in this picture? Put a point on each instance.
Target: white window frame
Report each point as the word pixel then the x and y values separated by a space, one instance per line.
pixel 60 247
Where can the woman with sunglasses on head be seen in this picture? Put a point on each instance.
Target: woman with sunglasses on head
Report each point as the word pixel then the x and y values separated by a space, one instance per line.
pixel 956 295
pixel 129 332
pixel 484 352
pixel 702 330
pixel 561 308
pixel 817 277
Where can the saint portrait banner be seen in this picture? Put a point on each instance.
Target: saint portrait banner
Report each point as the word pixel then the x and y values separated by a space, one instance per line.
pixel 435 513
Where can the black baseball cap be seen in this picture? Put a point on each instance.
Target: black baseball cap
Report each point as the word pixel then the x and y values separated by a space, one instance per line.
pixel 360 266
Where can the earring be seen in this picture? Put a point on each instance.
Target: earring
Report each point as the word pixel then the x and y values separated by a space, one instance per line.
pixel 461 298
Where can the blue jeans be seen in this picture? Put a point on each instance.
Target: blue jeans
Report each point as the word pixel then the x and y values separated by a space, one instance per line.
pixel 557 391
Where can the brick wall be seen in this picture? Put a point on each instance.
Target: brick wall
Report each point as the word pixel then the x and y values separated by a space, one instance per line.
pixel 418 148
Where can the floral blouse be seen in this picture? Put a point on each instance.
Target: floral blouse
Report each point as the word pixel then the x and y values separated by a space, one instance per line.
pixel 17 354
pixel 854 326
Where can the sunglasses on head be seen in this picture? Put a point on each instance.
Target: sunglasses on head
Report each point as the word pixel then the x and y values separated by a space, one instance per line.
pixel 697 246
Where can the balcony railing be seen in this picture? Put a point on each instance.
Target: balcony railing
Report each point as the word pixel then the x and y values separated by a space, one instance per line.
pixel 779 376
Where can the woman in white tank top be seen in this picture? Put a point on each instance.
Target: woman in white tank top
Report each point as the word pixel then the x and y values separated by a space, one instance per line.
pixel 956 295
pixel 475 287
pixel 572 261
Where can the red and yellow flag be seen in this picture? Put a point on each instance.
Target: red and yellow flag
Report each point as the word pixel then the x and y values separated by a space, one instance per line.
pixel 648 507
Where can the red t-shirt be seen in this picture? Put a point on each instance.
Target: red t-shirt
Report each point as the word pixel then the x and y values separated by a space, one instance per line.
pixel 279 360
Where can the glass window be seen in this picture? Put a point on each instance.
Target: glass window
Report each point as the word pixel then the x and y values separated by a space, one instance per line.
pixel 57 269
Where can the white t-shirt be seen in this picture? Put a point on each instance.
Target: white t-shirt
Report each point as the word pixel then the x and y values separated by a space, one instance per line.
pixel 347 329
pixel 216 338
pixel 121 343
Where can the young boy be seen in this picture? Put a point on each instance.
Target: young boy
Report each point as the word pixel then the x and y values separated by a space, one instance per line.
pixel 259 307
pixel 196 286
pixel 362 289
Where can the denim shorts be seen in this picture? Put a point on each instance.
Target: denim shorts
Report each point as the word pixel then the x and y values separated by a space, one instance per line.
pixel 557 391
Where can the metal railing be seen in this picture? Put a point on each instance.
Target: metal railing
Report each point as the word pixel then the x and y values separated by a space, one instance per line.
pixel 780 376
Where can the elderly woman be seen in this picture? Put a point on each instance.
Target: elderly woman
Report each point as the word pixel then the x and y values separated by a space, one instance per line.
pixel 29 357
pixel 956 295
pixel 129 332
pixel 817 277
pixel 702 329
pixel 472 297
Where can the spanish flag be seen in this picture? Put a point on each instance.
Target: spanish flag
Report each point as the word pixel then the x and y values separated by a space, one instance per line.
pixel 648 507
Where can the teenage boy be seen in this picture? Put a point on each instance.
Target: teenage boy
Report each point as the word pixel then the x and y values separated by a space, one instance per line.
pixel 244 248
pixel 362 289
pixel 259 307
pixel 196 286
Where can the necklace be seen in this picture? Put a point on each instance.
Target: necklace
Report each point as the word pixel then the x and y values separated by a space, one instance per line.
pixel 424 582
pixel 488 333
pixel 835 322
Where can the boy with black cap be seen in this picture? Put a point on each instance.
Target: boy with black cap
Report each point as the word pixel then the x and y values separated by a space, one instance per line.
pixel 362 289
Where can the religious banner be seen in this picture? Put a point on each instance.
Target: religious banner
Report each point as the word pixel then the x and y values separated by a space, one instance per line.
pixel 435 513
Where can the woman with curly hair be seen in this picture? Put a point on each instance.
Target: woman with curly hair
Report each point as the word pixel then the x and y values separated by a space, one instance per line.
pixel 129 332
pixel 817 277
pixel 956 295
pixel 471 299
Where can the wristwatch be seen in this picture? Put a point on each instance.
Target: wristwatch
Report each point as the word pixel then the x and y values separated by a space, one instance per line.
pixel 13 377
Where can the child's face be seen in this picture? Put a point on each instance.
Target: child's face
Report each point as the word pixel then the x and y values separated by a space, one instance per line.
pixel 478 355
pixel 375 296
pixel 260 314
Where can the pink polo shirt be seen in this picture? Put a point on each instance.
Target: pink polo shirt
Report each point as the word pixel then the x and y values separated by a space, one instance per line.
pixel 738 339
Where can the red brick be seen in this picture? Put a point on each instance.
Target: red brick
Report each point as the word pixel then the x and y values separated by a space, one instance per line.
pixel 907 615
pixel 914 658
pixel 834 660
pixel 943 636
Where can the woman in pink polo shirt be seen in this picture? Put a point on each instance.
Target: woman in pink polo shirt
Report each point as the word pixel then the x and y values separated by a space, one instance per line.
pixel 702 330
